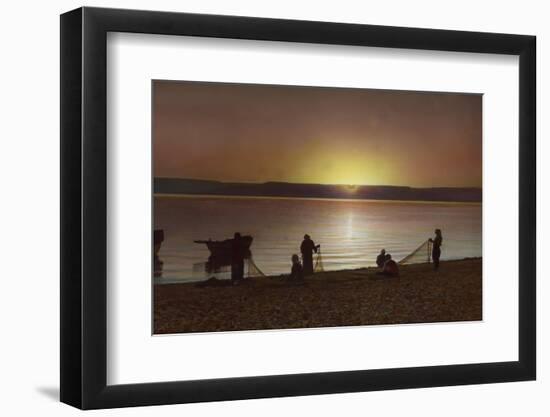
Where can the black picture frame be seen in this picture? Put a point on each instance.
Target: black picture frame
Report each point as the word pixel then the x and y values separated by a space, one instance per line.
pixel 84 207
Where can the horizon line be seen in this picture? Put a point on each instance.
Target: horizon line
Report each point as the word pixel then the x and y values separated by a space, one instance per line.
pixel 342 199
pixel 314 183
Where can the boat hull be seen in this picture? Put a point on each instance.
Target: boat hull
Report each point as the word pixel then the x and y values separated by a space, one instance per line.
pixel 221 252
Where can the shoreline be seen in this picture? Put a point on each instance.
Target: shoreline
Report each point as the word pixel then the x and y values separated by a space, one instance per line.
pixel 371 268
pixel 332 298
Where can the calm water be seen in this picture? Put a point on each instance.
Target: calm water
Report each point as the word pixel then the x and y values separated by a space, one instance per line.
pixel 351 232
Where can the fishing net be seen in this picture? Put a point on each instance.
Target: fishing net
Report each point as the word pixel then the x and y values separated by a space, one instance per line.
pixel 199 268
pixel 318 266
pixel 253 270
pixel 206 269
pixel 420 255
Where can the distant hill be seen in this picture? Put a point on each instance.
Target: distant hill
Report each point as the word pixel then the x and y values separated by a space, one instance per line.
pixel 283 189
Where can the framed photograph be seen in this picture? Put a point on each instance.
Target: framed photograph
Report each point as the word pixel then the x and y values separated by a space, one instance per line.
pixel 258 208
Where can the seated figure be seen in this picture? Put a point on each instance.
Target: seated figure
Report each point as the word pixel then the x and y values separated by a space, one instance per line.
pixel 297 271
pixel 390 268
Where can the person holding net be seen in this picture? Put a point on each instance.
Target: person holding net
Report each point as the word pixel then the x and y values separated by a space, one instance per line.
pixel 381 259
pixel 307 248
pixel 436 248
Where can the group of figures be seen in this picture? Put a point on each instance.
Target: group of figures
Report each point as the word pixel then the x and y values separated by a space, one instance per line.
pixel 389 267
pixel 300 269
pixel 304 266
pixel 235 251
pixel 384 261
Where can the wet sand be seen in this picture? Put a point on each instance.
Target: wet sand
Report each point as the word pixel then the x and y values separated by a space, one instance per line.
pixel 340 298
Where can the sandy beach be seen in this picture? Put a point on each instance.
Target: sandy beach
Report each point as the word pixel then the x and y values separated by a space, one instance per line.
pixel 340 298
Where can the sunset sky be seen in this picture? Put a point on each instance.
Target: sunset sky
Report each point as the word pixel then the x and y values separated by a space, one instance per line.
pixel 258 133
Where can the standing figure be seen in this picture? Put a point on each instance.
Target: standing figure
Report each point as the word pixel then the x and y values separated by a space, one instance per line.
pixel 436 248
pixel 307 248
pixel 237 258
pixel 158 237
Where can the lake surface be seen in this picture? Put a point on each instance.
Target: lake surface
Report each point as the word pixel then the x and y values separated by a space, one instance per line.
pixel 351 232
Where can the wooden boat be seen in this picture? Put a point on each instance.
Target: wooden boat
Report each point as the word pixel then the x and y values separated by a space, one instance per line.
pixel 223 248
pixel 221 252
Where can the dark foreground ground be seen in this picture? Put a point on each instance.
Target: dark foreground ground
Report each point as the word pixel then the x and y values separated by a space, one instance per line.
pixel 342 298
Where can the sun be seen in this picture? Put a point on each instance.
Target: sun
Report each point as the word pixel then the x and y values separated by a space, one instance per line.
pixel 351 188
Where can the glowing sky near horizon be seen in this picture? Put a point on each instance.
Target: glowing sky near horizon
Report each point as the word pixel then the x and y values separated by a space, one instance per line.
pixel 259 133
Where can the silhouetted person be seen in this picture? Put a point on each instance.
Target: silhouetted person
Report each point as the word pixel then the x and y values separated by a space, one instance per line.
pixel 158 238
pixel 381 258
pixel 157 264
pixel 237 258
pixel 307 248
pixel 390 267
pixel 436 248
pixel 297 271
